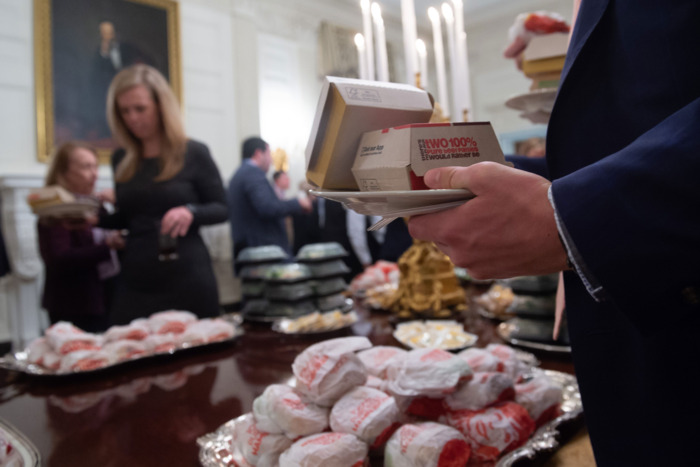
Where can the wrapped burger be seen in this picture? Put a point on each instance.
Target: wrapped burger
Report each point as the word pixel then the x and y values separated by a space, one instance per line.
pixel 326 450
pixel 426 372
pixel 541 397
pixel 252 446
pixel 327 370
pixel 370 414
pixel 377 359
pixel 426 444
pixel 493 431
pixel 484 390
pixel 281 409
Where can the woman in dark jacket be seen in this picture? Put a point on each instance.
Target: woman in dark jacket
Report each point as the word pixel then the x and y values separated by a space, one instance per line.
pixel 77 257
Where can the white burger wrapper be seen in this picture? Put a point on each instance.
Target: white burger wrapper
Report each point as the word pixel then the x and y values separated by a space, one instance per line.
pixel 426 372
pixel 370 414
pixel 483 390
pixel 377 359
pixel 539 395
pixel 327 370
pixel 280 409
pixel 513 366
pixel 326 450
pixel 426 444
pixel 251 446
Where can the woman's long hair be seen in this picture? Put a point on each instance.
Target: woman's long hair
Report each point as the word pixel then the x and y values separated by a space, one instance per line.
pixel 61 160
pixel 174 140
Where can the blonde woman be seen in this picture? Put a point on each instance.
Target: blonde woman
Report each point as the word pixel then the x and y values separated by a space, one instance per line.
pixel 166 187
pixel 78 258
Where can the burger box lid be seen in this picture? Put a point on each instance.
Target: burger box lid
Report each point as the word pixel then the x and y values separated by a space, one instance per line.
pixel 547 46
pixel 346 109
pixel 397 158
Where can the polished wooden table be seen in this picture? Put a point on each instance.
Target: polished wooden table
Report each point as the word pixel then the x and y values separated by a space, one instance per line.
pixel 150 412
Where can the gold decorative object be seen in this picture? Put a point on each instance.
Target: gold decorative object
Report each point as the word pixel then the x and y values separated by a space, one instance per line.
pixel 280 160
pixel 438 115
pixel 428 286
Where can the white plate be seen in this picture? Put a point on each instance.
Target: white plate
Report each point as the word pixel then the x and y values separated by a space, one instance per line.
pixel 540 100
pixel 434 334
pixel 397 203
pixel 77 209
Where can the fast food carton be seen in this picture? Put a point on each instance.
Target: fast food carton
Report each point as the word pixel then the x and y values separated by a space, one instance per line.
pixel 347 108
pixel 398 158
pixel 545 54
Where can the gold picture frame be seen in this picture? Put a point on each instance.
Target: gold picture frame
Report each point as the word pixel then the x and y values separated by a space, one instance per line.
pixel 79 45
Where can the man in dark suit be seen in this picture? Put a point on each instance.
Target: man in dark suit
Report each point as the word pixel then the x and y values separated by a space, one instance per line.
pixel 623 151
pixel 256 213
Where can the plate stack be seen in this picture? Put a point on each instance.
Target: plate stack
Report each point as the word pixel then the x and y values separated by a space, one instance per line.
pixel 325 261
pixel 533 308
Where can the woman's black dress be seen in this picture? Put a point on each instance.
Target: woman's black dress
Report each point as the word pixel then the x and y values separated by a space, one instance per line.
pixel 147 284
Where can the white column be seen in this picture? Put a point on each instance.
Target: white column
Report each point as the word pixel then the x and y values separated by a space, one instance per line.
pixel 369 37
pixel 439 60
pixel 408 20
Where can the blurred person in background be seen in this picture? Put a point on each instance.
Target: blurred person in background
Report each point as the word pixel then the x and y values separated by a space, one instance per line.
pixel 255 211
pixel 166 186
pixel 80 260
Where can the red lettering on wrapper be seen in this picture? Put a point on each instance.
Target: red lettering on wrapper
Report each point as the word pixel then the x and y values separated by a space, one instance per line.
pixel 455 453
pixel 408 434
pixel 308 373
pixel 364 410
pixel 294 404
pixel 256 438
pixel 436 355
pixel 324 440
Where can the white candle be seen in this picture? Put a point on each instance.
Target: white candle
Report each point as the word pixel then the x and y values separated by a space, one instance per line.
pixel 454 74
pixel 422 62
pixel 369 41
pixel 439 60
pixel 408 20
pixel 361 55
pixel 467 80
pixel 460 54
pixel 383 61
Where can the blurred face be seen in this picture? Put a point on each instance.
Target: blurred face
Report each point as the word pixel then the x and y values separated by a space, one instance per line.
pixel 140 113
pixel 265 159
pixel 283 181
pixel 82 172
pixel 106 31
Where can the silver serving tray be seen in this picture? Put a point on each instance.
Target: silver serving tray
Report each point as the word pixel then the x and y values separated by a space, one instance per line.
pixel 506 329
pixel 18 361
pixel 214 448
pixel 28 453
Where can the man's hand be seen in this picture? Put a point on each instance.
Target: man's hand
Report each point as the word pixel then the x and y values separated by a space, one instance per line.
pixel 114 240
pixel 507 230
pixel 176 222
pixel 305 204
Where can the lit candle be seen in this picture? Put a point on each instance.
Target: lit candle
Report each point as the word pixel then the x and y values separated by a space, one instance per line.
pixel 439 60
pixel 369 41
pixel 408 20
pixel 361 55
pixel 422 62
pixel 467 80
pixel 454 74
pixel 383 61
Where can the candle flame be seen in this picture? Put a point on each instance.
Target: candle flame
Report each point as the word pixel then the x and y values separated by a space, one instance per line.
pixel 420 47
pixel 360 41
pixel 447 13
pixel 433 14
pixel 377 12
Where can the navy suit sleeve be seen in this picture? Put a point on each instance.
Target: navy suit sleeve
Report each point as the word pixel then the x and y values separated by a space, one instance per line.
pixel 263 198
pixel 633 217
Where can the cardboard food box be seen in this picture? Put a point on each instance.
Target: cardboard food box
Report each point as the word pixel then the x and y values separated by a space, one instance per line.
pixel 397 158
pixel 347 108
pixel 545 54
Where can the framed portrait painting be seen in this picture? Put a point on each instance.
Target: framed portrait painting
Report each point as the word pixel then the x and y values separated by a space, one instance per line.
pixel 80 45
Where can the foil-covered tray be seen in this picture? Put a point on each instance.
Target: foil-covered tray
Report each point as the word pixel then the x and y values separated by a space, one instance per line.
pixel 215 448
pixel 22 450
pixel 18 361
